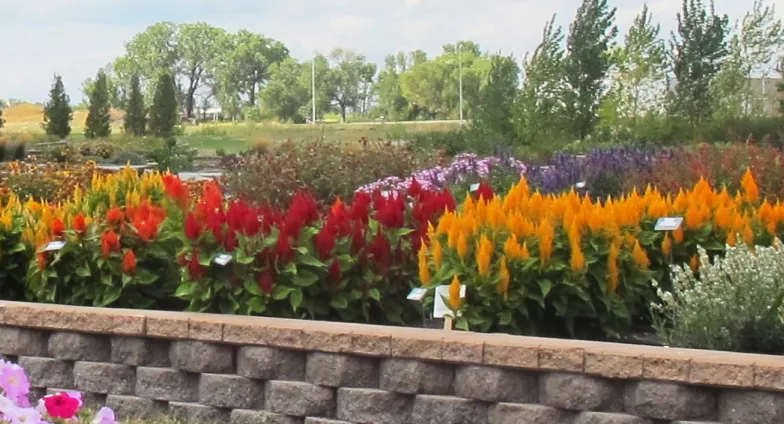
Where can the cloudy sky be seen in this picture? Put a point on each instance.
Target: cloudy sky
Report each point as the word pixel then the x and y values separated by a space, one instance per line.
pixel 76 37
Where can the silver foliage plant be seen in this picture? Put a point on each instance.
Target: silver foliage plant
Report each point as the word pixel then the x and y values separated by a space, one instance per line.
pixel 732 304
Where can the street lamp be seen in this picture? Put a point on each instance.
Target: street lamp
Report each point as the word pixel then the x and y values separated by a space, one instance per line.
pixel 313 87
pixel 460 81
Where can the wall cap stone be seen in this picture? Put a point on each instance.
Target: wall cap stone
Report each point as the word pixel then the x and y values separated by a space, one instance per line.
pixel 610 360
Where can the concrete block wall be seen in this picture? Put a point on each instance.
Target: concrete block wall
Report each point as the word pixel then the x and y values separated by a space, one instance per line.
pixel 226 369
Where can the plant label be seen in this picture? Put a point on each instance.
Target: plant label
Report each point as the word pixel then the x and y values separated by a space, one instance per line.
pixel 440 309
pixel 417 294
pixel 669 223
pixel 581 184
pixel 474 187
pixel 223 259
pixel 54 246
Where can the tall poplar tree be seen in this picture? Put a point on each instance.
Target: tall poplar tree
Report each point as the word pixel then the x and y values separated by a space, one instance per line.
pixel 98 123
pixel 135 115
pixel 163 114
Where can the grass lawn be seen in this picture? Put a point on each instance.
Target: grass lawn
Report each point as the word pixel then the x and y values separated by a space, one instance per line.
pixel 233 137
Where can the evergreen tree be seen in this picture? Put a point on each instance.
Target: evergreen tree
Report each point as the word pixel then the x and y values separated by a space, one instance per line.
pixel 98 124
pixel 2 121
pixel 163 114
pixel 494 109
pixel 588 62
pixel 135 116
pixel 698 50
pixel 57 111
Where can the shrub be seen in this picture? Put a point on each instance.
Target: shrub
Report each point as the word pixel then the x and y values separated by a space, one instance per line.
pixel 99 149
pixel 327 170
pixel 174 157
pixel 125 158
pixel 732 304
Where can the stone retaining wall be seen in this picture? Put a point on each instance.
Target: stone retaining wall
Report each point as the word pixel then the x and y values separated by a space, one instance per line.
pixel 227 369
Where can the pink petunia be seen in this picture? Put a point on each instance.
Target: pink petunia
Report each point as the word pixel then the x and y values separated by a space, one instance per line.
pixel 13 381
pixel 105 416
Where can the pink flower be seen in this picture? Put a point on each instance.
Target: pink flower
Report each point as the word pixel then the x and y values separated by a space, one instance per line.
pixel 61 405
pixel 13 381
pixel 23 416
pixel 105 416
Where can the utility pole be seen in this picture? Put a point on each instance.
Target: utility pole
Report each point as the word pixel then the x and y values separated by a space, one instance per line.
pixel 313 87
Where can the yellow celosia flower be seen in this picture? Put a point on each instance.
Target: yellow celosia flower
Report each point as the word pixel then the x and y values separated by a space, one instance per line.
pixel 677 235
pixel 546 234
pixel 484 255
pixel 512 247
pixel 462 246
pixel 612 268
pixel 454 294
pixel 524 254
pixel 731 239
pixel 640 257
pixel 438 253
pixel 424 269
pixel 503 278
pixel 666 245
pixel 748 235
pixel 454 234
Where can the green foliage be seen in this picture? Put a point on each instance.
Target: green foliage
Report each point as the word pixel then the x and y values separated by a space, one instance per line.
pixel 351 77
pixel 493 114
pixel 98 124
pixel 57 111
pixel 135 122
pixel 125 158
pixel 164 114
pixel 98 149
pixel 587 63
pixel 174 157
pixel 2 121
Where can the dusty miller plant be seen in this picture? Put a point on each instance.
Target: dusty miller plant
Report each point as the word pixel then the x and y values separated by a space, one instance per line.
pixel 732 304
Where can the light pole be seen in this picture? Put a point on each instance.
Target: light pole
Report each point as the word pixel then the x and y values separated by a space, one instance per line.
pixel 460 82
pixel 313 87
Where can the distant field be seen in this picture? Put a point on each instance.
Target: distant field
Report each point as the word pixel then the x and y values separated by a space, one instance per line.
pixel 234 137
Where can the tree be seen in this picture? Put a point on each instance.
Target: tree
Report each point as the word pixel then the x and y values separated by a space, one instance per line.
pixel 198 45
pixel 284 96
pixel 349 76
pixel 163 114
pixel 149 54
pixel 2 105
pixel 57 110
pixel 698 51
pixel 541 108
pixel 112 88
pixel 640 72
pixel 495 107
pixel 98 123
pixel 135 114
pixel 587 63
pixel 325 90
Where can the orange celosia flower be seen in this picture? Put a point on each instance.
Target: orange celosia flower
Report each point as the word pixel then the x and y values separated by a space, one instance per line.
pixel 79 224
pixel 694 263
pixel 454 294
pixel 677 235
pixel 424 269
pixel 612 268
pixel 750 188
pixel 524 254
pixel 438 253
pixel 176 190
pixel 731 239
pixel 504 278
pixel 748 235
pixel 546 234
pixel 462 246
pixel 110 242
pixel 640 257
pixel 41 261
pixel 484 254
pixel 723 218
pixel 114 217
pixel 336 207
pixel 512 247
pixel 57 228
pixel 129 263
pixel 666 245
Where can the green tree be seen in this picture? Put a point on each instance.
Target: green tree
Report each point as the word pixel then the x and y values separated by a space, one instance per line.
pixel 350 77
pixel 284 96
pixel 325 90
pixel 391 103
pixel 98 123
pixel 198 47
pixel 2 121
pixel 149 54
pixel 164 111
pixel 698 50
pixel 588 62
pixel 541 109
pixel 57 110
pixel 135 113
pixel 494 110
pixel 639 82
pixel 112 88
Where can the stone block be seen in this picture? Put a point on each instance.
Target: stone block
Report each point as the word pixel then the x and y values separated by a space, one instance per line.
pixel 98 377
pixel 195 413
pixel 669 401
pixel 493 384
pixel 244 416
pixel 268 363
pixel 140 351
pixel 312 420
pixel 230 391
pixel 518 413
pixel 47 372
pixel 335 370
pixel 299 399
pixel 79 347
pixel 128 407
pixel 608 418
pixel 579 392
pixel 197 356
pixel 372 406
pixel 413 377
pixel 429 409
pixel 166 384
pixel 750 407
pixel 23 342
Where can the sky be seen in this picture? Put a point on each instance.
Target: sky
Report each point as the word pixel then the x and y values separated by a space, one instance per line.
pixel 74 38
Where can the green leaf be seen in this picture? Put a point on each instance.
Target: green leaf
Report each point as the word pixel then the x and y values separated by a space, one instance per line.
pixel 506 317
pixel 339 303
pixel 255 305
pixel 461 324
pixel 290 268
pixel 296 299
pixel 546 286
pixel 312 261
pixel 111 296
pixel 305 278
pixel 375 294
pixel 83 271
pixel 281 292
pixel 184 290
pixel 126 279
pixel 146 277
pixel 252 287
pixel 242 258
pixel 19 247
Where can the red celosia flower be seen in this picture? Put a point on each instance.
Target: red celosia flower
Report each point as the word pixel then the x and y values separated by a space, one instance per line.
pixel 79 224
pixel 129 262
pixel 182 260
pixel 115 217
pixel 211 200
pixel 215 221
pixel 230 241
pixel 415 189
pixel 195 269
pixel 266 280
pixel 357 238
pixel 485 191
pixel 146 219
pixel 110 242
pixel 335 274
pixel 360 208
pixel 176 190
pixel 192 227
pixel 390 210
pixel 283 249
pixel 302 212
pixel 381 250
pixel 57 228
pixel 325 242
pixel 61 406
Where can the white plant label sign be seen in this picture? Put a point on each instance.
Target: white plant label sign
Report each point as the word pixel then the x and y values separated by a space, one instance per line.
pixel 440 309
pixel 669 223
